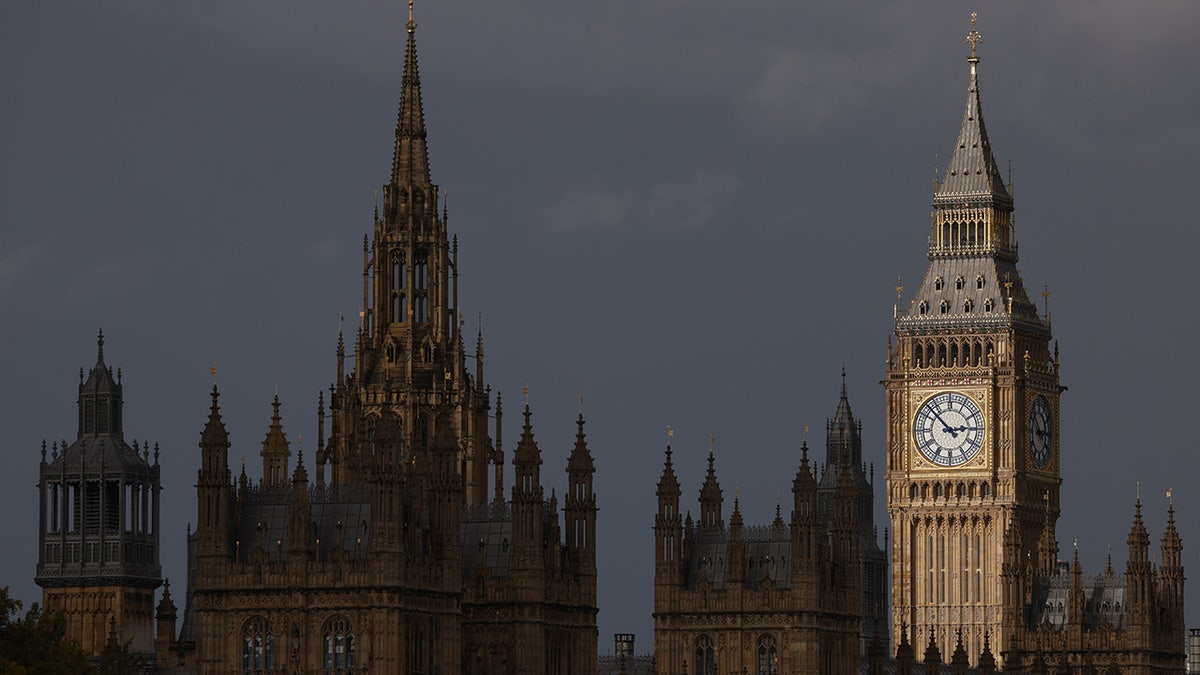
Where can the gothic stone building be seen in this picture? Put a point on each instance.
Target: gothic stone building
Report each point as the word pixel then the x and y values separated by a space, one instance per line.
pixel 974 463
pixel 396 557
pixel 788 597
pixel 98 523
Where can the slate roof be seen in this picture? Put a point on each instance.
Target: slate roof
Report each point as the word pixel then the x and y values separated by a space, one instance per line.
pixel 972 172
pixel 341 518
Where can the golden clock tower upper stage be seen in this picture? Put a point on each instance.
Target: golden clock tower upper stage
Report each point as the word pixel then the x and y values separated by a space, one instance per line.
pixel 972 399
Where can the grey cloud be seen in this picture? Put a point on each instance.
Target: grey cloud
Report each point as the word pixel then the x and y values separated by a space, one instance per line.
pixel 689 203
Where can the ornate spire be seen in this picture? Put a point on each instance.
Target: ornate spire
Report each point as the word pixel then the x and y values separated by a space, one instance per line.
pixel 972 174
pixel 275 449
pixel 668 484
pixel 710 495
pixel 214 434
pixel 410 163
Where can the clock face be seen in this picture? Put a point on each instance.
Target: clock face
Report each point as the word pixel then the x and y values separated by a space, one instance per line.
pixel 1040 432
pixel 949 428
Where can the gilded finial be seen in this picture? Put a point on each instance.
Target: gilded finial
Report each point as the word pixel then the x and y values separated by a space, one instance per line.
pixel 277 384
pixel 1046 298
pixel 1170 502
pixel 525 391
pixel 580 401
pixel 974 39
pixel 411 25
pixel 806 432
pixel 712 440
pixel 212 370
pixel 670 434
pixel 899 289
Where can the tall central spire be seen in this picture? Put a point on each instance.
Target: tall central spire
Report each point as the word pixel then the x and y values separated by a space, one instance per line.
pixel 410 162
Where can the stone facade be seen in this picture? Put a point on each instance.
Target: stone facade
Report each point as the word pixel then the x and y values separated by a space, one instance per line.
pixel 787 597
pixel 973 459
pixel 402 554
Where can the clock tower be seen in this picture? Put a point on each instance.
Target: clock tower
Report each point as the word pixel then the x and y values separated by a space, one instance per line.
pixel 972 399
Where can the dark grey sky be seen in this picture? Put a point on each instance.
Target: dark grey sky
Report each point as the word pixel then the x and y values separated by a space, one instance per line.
pixel 693 211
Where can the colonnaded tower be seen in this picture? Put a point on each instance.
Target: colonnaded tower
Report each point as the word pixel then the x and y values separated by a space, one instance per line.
pixel 972 412
pixel 98 534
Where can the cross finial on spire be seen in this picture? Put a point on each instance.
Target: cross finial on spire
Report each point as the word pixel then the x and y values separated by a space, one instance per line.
pixel 412 25
pixel 899 289
pixel 973 38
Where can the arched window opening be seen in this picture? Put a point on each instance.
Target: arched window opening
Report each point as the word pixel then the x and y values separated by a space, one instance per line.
pixel 979 282
pixel 923 308
pixel 987 305
pixel 944 307
pixel 968 306
pixel 938 283
pixel 984 490
pixel 421 269
pixel 258 646
pixel 768 656
pixel 959 283
pixel 941 361
pixel 954 354
pixel 338 647
pixel 705 662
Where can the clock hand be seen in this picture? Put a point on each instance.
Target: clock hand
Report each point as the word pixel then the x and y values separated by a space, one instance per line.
pixel 945 427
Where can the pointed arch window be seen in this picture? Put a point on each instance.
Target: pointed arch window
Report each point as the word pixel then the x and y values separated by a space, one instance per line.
pixel 988 305
pixel 337 647
pixel 968 306
pixel 768 656
pixel 979 281
pixel 938 284
pixel 944 307
pixel 959 283
pixel 705 661
pixel 258 646
pixel 923 308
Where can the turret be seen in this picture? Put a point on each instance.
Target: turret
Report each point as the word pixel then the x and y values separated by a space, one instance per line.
pixel 905 657
pixel 710 497
pixel 527 498
pixel 581 504
pixel 1138 571
pixel 299 532
pixel 213 485
pixel 735 571
pixel 804 514
pixel 933 655
pixel 668 532
pixel 959 661
pixel 1171 571
pixel 164 619
pixel 275 451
